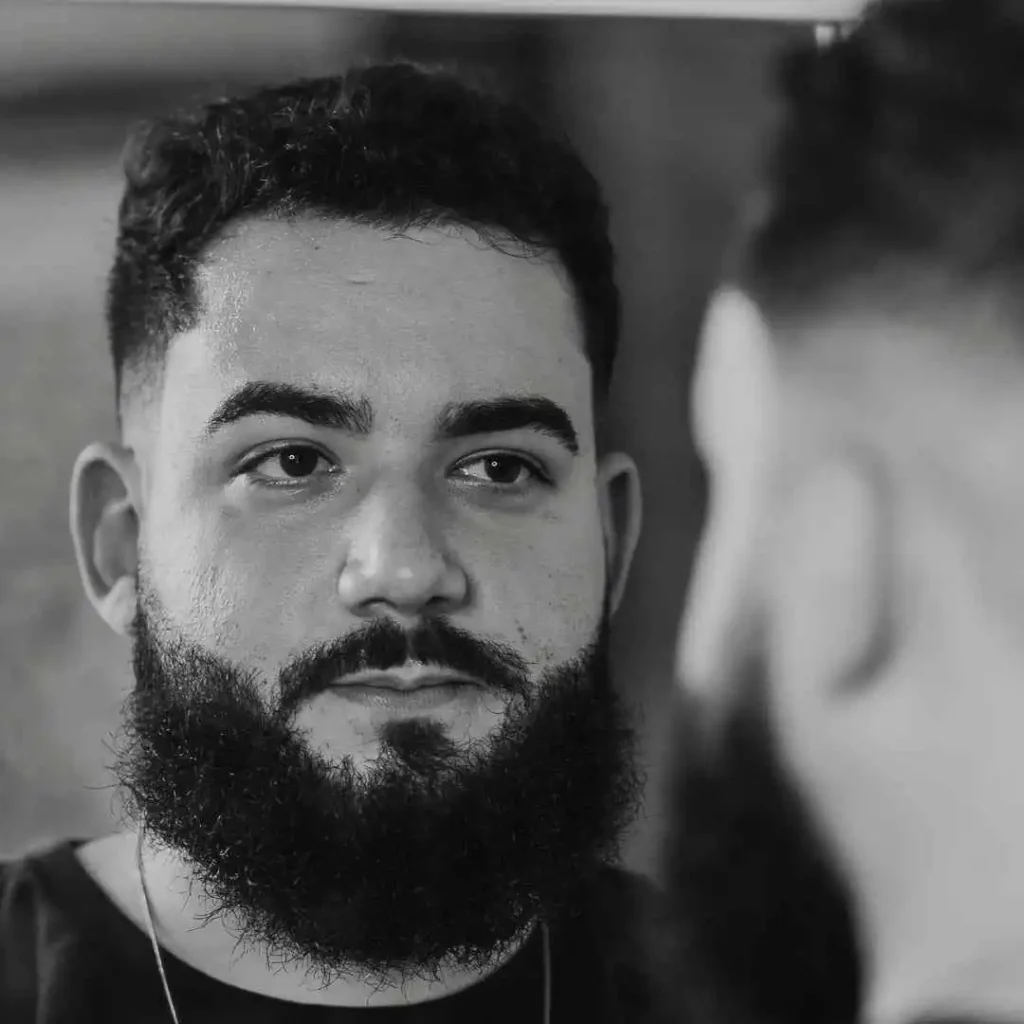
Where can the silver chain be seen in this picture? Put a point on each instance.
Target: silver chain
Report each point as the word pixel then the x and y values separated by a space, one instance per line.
pixel 148 910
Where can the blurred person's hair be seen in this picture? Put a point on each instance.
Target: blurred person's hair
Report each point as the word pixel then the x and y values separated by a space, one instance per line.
pixel 395 146
pixel 898 166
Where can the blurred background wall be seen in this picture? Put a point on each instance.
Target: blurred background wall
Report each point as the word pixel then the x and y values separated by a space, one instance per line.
pixel 671 116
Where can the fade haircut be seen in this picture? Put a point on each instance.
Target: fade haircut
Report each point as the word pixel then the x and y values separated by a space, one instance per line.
pixel 899 162
pixel 395 146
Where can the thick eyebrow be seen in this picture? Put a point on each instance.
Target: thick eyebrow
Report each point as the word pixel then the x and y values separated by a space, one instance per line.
pixel 355 415
pixel 499 415
pixel 318 408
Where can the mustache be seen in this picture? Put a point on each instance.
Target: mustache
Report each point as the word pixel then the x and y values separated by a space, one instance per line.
pixel 382 645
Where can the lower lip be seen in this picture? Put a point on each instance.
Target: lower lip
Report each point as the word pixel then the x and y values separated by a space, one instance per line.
pixel 422 698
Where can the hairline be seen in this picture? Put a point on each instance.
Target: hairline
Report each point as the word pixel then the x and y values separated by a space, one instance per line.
pixel 142 377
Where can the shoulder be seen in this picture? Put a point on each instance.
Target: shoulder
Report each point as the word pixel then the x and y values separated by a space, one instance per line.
pixel 622 915
pixel 28 884
pixel 623 904
pixel 617 886
pixel 50 916
pixel 23 902
pixel 34 888
pixel 654 982
pixel 20 885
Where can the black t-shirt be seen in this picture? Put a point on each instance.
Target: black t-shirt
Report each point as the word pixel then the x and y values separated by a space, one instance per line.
pixel 68 955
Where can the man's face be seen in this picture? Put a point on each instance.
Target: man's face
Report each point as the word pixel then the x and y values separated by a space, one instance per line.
pixel 374 596
pixel 757 905
pixel 449 470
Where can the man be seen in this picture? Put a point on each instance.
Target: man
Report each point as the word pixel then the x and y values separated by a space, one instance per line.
pixel 848 829
pixel 366 551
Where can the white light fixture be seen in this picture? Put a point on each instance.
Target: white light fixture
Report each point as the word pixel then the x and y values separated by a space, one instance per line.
pixel 815 11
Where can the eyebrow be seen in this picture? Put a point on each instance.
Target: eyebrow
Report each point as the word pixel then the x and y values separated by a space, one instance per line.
pixel 317 408
pixel 336 411
pixel 500 415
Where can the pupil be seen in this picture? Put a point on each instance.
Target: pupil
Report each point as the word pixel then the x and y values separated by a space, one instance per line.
pixel 299 461
pixel 502 471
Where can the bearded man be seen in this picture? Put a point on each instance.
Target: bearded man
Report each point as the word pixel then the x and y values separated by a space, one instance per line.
pixel 359 532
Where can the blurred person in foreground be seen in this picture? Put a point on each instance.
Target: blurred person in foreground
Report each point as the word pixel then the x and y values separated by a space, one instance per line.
pixel 361 537
pixel 847 839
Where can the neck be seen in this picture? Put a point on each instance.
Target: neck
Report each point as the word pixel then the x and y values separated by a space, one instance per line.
pixel 960 964
pixel 210 945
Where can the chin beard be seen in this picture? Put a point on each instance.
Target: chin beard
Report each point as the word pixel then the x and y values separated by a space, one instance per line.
pixel 759 920
pixel 432 856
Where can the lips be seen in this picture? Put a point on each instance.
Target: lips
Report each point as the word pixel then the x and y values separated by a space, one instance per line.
pixel 404 683
pixel 405 695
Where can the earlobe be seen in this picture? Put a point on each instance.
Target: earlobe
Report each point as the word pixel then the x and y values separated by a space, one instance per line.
pixel 105 530
pixel 621 519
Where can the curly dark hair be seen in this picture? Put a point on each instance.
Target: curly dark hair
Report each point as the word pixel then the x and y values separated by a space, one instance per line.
pixel 901 151
pixel 395 145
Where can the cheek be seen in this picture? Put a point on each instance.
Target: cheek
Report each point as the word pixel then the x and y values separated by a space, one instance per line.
pixel 542 584
pixel 255 589
pixel 237 585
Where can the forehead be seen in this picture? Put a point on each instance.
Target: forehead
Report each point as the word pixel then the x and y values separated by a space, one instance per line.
pixel 427 316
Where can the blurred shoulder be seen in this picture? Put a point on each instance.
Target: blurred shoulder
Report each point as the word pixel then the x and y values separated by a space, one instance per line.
pixel 626 917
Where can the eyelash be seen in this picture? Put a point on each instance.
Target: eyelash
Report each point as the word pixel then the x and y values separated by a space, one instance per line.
pixel 531 465
pixel 248 468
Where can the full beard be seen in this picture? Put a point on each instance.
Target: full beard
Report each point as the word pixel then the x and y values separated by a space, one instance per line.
pixel 432 856
pixel 759 926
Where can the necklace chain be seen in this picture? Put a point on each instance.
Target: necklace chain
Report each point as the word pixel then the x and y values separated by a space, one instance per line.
pixel 151 928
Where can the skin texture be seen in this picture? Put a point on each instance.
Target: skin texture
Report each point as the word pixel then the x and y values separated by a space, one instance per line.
pixel 391 522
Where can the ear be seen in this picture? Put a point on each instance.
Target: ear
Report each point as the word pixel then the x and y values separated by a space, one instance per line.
pixel 734 414
pixel 621 501
pixel 830 580
pixel 105 530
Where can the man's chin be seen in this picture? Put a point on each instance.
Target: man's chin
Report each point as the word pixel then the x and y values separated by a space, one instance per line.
pixel 329 726
pixel 433 852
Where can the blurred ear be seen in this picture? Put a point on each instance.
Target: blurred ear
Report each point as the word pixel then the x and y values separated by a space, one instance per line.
pixel 619 492
pixel 105 530
pixel 830 580
pixel 733 408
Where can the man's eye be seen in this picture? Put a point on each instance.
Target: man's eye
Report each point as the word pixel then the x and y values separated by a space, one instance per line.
pixel 499 469
pixel 294 463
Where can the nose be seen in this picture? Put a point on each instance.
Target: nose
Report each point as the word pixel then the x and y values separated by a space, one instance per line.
pixel 397 562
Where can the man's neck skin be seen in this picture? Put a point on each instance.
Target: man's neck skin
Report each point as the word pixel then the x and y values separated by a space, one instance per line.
pixel 954 944
pixel 936 855
pixel 211 949
pixel 987 988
